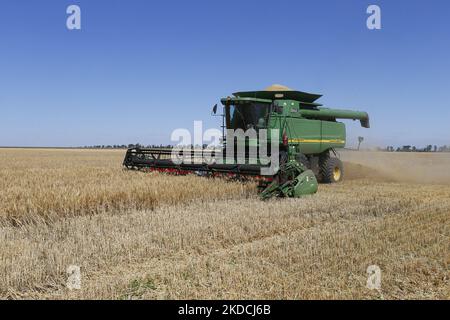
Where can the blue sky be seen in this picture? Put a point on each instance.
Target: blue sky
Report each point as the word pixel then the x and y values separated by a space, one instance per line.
pixel 139 69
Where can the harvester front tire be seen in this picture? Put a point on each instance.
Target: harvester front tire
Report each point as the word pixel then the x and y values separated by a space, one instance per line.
pixel 332 170
pixel 301 158
pixel 284 157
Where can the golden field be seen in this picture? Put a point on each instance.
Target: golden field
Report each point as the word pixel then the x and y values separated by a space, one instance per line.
pixel 151 236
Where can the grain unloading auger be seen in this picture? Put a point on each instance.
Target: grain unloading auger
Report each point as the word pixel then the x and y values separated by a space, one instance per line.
pixel 305 135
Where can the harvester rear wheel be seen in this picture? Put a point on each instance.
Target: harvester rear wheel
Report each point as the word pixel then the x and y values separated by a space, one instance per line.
pixel 332 170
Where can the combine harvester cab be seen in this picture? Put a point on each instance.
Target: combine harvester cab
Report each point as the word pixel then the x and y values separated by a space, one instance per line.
pixel 306 135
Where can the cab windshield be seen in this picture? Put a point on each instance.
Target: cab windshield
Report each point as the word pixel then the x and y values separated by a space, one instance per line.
pixel 247 116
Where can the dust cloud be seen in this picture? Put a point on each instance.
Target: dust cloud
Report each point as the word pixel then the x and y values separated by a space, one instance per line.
pixel 429 168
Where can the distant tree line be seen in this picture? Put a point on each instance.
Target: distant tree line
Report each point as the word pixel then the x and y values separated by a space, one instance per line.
pixel 124 146
pixel 409 148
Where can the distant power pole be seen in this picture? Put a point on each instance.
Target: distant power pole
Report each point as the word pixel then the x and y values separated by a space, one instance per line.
pixel 360 140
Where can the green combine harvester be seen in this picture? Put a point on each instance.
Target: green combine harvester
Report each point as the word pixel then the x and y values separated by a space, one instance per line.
pixel 307 135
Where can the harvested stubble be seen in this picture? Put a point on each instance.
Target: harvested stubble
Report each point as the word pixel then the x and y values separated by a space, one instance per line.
pixel 44 185
pixel 239 247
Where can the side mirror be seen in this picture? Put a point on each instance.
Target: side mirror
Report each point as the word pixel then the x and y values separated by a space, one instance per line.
pixel 214 109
